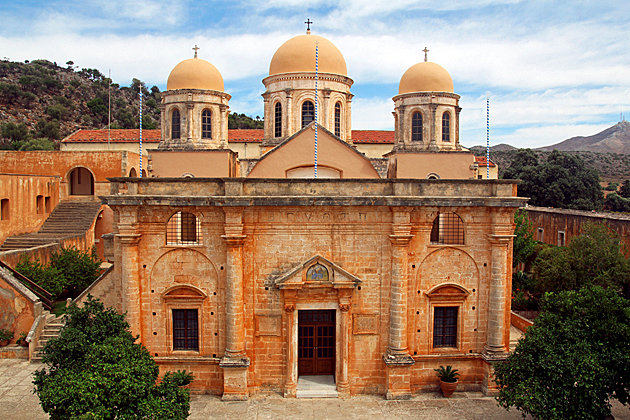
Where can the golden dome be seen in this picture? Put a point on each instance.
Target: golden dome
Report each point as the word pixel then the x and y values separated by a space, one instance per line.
pixel 195 73
pixel 425 77
pixel 298 55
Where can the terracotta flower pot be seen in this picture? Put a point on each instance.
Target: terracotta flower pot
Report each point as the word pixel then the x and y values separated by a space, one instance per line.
pixel 448 388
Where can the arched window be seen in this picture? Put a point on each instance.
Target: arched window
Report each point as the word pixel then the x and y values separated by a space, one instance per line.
pixel 133 173
pixel 446 127
pixel 206 124
pixel 448 229
pixel 308 113
pixel 338 119
pixel 317 272
pixel 416 126
pixel 183 229
pixel 278 120
pixel 175 125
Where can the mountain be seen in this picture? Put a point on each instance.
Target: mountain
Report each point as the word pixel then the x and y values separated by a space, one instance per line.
pixel 502 147
pixel 615 139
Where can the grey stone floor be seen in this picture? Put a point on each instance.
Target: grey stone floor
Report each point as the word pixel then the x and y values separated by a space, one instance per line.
pixel 18 402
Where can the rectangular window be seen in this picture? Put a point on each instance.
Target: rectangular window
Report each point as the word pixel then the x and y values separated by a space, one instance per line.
pixel 540 235
pixel 4 209
pixel 40 204
pixel 185 329
pixel 561 241
pixel 47 204
pixel 445 326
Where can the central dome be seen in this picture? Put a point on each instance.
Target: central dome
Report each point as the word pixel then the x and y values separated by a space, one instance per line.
pixel 425 77
pixel 297 55
pixel 195 73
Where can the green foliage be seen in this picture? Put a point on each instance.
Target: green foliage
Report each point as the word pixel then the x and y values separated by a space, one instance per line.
pixel 614 202
pixel 57 112
pixel 447 374
pixel 49 129
pixel 573 360
pixel 524 243
pixel 98 108
pixel 125 118
pixel 612 186
pixel 81 268
pixel 562 181
pixel 95 370
pixel 595 257
pixel 624 191
pixel 5 334
pixel 237 120
pixel 49 278
pixel 148 123
pixel 14 132
pixel 41 143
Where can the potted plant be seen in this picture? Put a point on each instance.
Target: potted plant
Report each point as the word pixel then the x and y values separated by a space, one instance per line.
pixel 448 379
pixel 5 337
pixel 21 341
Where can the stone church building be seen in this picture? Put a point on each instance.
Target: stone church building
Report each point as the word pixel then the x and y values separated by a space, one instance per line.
pixel 252 272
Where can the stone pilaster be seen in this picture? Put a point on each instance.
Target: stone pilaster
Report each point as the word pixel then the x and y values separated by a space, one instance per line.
pixel 433 128
pixel 291 375
pixel 235 362
pixel 457 111
pixel 129 239
pixel 163 123
pixel 326 111
pixel 189 120
pixel 398 360
pixel 223 124
pixel 348 122
pixel 343 386
pixel 288 129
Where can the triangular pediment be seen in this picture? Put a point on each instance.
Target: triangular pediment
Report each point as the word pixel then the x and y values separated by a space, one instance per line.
pixel 316 272
pixel 334 156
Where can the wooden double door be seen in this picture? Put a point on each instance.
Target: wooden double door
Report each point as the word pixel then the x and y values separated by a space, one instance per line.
pixel 316 342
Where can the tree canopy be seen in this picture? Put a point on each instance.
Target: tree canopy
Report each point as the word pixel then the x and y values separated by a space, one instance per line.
pixel 563 180
pixel 573 360
pixel 95 370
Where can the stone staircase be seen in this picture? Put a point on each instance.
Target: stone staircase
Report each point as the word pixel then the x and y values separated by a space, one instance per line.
pixel 71 217
pixel 52 330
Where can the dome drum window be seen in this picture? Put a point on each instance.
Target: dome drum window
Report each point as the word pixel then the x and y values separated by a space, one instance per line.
pixel 308 113
pixel 176 129
pixel 446 127
pixel 278 120
pixel 206 124
pixel 338 119
pixel 416 126
pixel 448 229
pixel 183 229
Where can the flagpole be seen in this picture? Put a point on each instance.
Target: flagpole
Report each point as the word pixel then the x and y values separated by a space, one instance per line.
pixel 316 101
pixel 140 94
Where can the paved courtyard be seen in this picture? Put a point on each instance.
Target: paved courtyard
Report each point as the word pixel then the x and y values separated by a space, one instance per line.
pixel 18 402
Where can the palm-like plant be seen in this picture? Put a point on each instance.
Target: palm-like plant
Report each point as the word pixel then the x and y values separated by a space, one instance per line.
pixel 447 374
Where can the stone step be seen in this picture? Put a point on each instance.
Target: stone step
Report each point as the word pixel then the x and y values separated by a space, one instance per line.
pixel 316 386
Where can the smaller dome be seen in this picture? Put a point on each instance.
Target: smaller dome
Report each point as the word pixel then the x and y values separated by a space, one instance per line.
pixel 195 73
pixel 297 55
pixel 425 77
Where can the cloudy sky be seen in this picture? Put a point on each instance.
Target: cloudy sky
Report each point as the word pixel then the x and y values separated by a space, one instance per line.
pixel 552 69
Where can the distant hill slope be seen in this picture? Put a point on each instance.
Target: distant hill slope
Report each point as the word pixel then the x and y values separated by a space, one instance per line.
pixel 615 139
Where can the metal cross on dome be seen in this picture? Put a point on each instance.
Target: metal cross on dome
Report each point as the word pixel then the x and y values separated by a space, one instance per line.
pixel 195 48
pixel 426 50
pixel 308 25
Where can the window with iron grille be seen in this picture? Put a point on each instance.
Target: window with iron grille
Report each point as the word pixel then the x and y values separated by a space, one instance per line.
pixel 448 229
pixel 308 113
pixel 206 124
pixel 416 127
pixel 278 120
pixel 446 127
pixel 338 119
pixel 540 234
pixel 183 229
pixel 175 125
pixel 185 329
pixel 445 326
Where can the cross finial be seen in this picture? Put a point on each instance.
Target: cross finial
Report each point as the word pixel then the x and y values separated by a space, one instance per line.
pixel 426 50
pixel 308 26
pixel 195 48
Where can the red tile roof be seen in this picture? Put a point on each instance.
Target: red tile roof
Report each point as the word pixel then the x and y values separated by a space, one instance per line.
pixel 373 136
pixel 115 136
pixel 238 135
pixel 481 161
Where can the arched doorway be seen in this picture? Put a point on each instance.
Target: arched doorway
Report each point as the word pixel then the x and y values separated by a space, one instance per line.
pixel 81 182
pixel 133 173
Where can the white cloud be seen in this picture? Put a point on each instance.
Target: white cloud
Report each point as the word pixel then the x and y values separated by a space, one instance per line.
pixel 372 114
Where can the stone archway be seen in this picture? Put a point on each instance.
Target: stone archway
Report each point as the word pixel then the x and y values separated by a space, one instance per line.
pixel 81 181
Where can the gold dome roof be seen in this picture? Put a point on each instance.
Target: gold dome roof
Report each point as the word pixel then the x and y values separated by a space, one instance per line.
pixel 195 73
pixel 425 77
pixel 297 55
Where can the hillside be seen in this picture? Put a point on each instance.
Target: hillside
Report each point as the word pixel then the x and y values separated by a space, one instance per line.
pixel 41 99
pixel 615 139
pixel 613 167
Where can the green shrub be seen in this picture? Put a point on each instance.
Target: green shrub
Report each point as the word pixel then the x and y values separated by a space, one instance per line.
pixel 80 268
pixel 49 278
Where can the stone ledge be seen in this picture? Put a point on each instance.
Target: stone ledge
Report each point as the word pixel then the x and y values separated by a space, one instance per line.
pixel 398 360
pixel 239 362
pixel 14 352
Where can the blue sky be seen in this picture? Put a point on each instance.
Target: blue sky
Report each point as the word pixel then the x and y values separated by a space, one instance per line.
pixel 552 69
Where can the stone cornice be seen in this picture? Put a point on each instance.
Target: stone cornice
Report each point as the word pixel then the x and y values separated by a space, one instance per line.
pixel 308 76
pixel 426 95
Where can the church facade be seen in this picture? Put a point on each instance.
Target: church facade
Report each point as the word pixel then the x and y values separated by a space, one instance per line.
pixel 252 272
